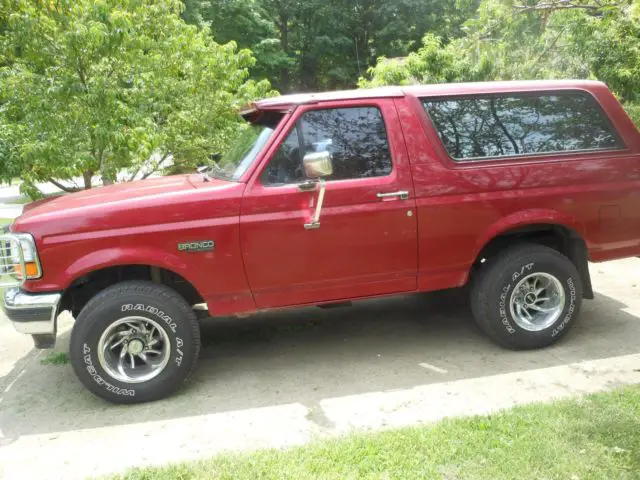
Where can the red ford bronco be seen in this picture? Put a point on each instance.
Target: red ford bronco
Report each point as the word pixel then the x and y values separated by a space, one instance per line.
pixel 325 198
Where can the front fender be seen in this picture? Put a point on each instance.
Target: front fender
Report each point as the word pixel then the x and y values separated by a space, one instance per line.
pixel 120 256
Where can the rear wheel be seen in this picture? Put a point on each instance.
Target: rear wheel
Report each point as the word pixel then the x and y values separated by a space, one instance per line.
pixel 527 297
pixel 135 342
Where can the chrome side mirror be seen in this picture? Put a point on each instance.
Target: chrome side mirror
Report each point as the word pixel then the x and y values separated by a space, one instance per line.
pixel 317 164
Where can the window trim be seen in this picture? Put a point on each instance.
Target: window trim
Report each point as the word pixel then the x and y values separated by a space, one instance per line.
pixel 529 93
pixel 297 127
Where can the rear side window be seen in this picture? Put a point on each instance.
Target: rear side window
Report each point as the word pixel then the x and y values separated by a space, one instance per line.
pixel 355 137
pixel 507 125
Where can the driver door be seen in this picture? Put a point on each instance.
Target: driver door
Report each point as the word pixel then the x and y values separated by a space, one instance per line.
pixel 366 241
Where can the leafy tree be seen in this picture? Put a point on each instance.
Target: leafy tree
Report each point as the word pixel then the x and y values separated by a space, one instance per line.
pixel 90 87
pixel 532 39
pixel 252 24
pixel 328 44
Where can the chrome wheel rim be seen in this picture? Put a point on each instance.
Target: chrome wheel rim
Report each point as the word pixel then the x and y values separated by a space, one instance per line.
pixel 134 349
pixel 537 301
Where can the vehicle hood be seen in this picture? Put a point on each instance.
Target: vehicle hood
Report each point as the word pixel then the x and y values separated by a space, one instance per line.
pixel 144 202
pixel 110 194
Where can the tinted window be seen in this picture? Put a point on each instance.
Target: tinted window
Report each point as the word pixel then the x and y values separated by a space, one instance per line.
pixel 494 126
pixel 356 138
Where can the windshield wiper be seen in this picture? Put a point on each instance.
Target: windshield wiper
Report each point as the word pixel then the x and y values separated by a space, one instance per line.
pixel 204 171
pixel 215 169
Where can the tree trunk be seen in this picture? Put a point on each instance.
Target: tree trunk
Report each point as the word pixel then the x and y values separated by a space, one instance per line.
pixel 87 175
pixel 107 179
pixel 284 42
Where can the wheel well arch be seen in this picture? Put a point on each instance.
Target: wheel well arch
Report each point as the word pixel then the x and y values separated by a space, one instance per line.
pixel 561 238
pixel 86 286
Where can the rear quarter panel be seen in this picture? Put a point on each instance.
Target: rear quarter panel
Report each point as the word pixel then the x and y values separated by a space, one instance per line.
pixel 463 205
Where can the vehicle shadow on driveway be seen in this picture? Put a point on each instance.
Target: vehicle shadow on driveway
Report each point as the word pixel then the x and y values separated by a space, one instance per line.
pixel 305 356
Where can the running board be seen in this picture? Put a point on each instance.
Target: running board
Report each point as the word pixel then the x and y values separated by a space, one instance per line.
pixel 336 305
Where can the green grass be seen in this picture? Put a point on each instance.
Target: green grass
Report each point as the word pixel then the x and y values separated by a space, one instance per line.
pixel 596 437
pixel 22 200
pixel 55 358
pixel 18 201
pixel 5 221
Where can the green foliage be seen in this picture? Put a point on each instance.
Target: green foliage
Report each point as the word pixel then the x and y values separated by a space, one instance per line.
pixel 318 45
pixel 509 40
pixel 633 110
pixel 56 358
pixel 432 63
pixel 91 87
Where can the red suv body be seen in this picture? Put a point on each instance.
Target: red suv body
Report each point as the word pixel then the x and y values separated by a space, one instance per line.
pixel 424 188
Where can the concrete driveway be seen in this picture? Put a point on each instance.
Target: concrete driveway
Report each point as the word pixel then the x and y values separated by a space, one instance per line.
pixel 283 378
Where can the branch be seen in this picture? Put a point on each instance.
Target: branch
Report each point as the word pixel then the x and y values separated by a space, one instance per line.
pixel 63 187
pixel 563 5
pixel 132 177
pixel 157 166
pixel 550 46
pixel 81 74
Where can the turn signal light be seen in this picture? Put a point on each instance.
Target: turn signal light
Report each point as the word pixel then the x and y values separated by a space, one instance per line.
pixel 31 269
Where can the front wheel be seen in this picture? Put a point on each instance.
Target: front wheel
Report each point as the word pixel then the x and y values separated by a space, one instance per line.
pixel 135 342
pixel 528 297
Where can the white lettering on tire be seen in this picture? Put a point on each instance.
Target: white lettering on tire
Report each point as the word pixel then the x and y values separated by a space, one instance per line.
pixel 572 307
pixel 505 293
pixel 98 379
pixel 179 344
pixel 503 309
pixel 526 268
pixel 139 307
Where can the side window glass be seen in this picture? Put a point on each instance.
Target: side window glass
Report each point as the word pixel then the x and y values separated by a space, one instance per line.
pixel 508 125
pixel 355 137
pixel 286 165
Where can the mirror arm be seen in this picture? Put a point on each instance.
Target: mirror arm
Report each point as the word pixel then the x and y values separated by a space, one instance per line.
pixel 315 221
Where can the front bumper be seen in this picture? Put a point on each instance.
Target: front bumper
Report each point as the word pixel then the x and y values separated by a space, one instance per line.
pixel 33 313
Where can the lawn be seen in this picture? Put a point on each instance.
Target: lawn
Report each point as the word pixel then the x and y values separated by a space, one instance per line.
pixel 595 437
pixel 5 221
pixel 18 201
pixel 55 358
pixel 23 200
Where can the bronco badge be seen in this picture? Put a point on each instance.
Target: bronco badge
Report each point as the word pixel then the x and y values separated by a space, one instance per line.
pixel 199 246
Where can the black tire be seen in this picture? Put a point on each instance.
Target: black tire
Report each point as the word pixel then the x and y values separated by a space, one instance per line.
pixel 163 306
pixel 494 284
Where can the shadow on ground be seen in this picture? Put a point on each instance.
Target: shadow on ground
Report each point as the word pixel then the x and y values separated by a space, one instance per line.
pixel 308 355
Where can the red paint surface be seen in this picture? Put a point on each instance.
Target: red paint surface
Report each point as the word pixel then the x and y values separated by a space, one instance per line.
pixel 365 246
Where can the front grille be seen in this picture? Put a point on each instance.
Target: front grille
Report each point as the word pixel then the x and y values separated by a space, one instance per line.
pixel 11 262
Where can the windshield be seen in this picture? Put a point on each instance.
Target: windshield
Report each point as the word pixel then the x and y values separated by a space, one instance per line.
pixel 242 153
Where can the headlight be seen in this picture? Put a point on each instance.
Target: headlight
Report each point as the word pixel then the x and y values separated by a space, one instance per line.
pixel 18 259
pixel 28 247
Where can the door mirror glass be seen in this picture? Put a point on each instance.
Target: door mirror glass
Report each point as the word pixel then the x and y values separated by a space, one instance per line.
pixel 317 164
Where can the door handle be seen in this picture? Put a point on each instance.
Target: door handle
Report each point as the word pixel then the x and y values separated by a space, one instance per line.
pixel 308 186
pixel 403 194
